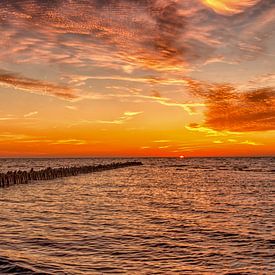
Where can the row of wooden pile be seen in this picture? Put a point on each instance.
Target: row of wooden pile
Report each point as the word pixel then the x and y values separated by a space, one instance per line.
pixel 24 177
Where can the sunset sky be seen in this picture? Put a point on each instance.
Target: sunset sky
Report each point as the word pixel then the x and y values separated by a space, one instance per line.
pixel 137 78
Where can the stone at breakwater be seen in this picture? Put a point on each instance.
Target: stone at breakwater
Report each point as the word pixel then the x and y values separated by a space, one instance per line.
pixel 24 177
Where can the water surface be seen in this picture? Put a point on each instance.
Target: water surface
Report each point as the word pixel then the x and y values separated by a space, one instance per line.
pixel 170 216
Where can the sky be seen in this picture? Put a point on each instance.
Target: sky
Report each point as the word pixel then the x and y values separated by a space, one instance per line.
pixel 137 78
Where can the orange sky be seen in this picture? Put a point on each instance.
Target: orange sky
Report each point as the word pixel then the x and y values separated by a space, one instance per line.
pixel 137 78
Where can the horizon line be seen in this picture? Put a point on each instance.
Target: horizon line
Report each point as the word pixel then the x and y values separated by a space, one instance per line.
pixel 128 157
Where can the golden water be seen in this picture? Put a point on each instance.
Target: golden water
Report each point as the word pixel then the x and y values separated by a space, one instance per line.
pixel 170 216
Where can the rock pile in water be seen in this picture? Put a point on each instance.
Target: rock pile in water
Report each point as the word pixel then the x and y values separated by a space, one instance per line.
pixel 24 177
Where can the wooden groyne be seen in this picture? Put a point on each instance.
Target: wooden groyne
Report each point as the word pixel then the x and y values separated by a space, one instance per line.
pixel 24 177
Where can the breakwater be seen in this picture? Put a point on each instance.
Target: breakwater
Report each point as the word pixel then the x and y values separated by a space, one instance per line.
pixel 24 177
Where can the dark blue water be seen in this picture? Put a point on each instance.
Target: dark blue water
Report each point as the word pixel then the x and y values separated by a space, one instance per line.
pixel 170 216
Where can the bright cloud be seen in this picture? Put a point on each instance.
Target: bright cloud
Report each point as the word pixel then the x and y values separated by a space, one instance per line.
pixel 229 7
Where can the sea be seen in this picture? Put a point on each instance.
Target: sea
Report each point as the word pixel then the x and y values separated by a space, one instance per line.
pixel 169 216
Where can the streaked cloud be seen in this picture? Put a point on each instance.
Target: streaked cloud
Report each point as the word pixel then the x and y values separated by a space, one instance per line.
pixel 69 142
pixel 126 35
pixel 195 127
pixel 71 107
pixel 266 80
pixel 122 119
pixel 129 114
pixel 15 137
pixel 31 114
pixel 162 141
pixel 6 118
pixel 247 142
pixel 164 147
pixel 19 82
pixel 96 28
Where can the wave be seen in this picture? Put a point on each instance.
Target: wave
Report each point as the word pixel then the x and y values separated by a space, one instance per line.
pixel 12 267
pixel 19 267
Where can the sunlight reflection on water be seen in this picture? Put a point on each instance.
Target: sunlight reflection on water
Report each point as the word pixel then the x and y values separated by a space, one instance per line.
pixel 169 216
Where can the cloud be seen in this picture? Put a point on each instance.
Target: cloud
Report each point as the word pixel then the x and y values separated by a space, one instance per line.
pixel 126 34
pixel 7 117
pixel 163 147
pixel 229 109
pixel 140 32
pixel 70 107
pixel 195 127
pixel 7 136
pixel 19 82
pixel 247 142
pixel 129 114
pixel 217 142
pixel 152 80
pixel 128 43
pixel 263 80
pixel 69 142
pixel 31 114
pixel 122 119
pixel 22 138
pixel 190 108
pixel 162 141
pixel 229 7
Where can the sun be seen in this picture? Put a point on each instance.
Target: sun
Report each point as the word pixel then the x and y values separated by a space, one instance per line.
pixel 182 157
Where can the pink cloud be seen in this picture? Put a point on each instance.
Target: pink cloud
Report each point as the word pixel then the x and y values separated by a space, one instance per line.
pixel 35 86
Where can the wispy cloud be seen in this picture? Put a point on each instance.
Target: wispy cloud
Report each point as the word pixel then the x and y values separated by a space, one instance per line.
pixel 195 127
pixel 71 107
pixel 162 141
pixel 31 114
pixel 130 114
pixel 217 141
pixel 19 82
pixel 190 108
pixel 247 142
pixel 265 80
pixel 16 137
pixel 125 34
pixel 69 142
pixel 6 118
pixel 118 24
pixel 25 139
pixel 121 120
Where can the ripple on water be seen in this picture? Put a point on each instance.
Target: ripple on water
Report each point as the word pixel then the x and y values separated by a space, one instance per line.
pixel 206 218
